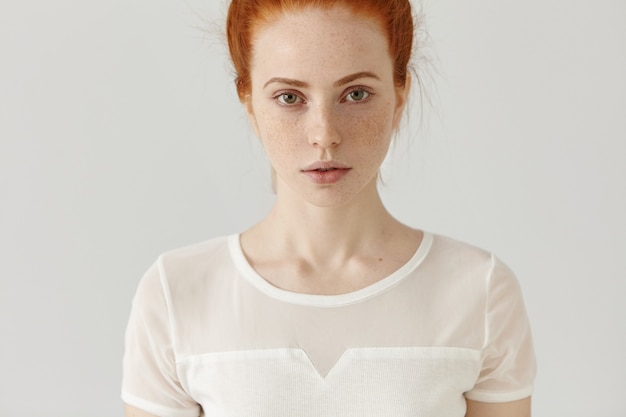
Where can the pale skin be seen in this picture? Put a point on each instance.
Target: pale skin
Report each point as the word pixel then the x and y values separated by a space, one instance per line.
pixel 326 94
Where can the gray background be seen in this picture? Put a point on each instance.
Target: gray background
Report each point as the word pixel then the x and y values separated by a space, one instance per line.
pixel 121 137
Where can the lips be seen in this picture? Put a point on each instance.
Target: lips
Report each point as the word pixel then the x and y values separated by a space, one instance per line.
pixel 325 172
pixel 325 166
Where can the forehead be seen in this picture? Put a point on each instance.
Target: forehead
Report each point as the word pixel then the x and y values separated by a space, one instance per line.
pixel 319 43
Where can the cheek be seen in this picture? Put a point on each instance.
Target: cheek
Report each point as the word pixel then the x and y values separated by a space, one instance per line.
pixel 279 137
pixel 367 134
pixel 374 133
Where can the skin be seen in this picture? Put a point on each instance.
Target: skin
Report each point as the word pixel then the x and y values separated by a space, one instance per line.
pixel 325 93
pixel 325 122
pixel 306 106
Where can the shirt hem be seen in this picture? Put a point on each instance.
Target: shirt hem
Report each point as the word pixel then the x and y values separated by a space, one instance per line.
pixel 499 397
pixel 157 409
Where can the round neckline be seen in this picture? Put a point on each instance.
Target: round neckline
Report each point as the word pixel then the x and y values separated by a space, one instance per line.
pixel 317 300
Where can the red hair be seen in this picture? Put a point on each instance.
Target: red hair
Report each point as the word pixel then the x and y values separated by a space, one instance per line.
pixel 244 16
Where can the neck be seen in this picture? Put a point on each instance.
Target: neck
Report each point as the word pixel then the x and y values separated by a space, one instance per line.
pixel 326 235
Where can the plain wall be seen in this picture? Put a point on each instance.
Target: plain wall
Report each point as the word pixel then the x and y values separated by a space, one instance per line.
pixel 121 137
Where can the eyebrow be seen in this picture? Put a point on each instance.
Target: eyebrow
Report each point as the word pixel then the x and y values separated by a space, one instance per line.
pixel 345 80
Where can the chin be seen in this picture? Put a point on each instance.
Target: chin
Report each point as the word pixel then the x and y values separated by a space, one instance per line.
pixel 328 196
pixel 334 196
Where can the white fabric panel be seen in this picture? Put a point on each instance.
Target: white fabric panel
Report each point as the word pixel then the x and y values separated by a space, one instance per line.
pixel 207 331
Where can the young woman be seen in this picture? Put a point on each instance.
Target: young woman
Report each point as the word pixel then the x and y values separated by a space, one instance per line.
pixel 329 306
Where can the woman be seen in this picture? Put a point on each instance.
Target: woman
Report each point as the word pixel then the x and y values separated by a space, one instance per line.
pixel 329 306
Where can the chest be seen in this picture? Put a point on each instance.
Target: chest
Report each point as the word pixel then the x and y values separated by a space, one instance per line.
pixel 364 382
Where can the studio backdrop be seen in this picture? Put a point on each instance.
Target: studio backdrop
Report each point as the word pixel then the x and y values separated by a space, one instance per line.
pixel 121 137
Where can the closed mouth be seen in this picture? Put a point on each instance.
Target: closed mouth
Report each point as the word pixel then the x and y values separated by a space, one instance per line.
pixel 325 166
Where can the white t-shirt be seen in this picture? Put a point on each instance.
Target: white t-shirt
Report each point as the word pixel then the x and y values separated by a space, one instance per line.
pixel 208 335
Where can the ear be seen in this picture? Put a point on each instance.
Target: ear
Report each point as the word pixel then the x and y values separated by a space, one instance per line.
pixel 402 96
pixel 247 102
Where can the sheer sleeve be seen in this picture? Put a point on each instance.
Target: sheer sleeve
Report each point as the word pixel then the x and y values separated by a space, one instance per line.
pixel 508 360
pixel 150 379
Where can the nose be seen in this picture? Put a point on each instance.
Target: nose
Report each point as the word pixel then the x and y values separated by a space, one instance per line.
pixel 323 130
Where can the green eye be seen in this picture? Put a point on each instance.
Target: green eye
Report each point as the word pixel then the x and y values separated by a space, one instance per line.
pixel 358 95
pixel 288 98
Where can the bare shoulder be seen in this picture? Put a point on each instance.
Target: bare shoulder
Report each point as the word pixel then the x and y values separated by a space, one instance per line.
pixel 520 408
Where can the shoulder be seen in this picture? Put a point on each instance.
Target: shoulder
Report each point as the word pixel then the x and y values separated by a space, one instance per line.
pixel 454 253
pixel 463 262
pixel 186 268
pixel 212 249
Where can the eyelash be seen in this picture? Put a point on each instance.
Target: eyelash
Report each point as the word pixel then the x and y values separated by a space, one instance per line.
pixel 299 100
pixel 367 92
pixel 279 96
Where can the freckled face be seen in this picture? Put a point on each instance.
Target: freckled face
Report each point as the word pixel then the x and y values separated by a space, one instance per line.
pixel 323 102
